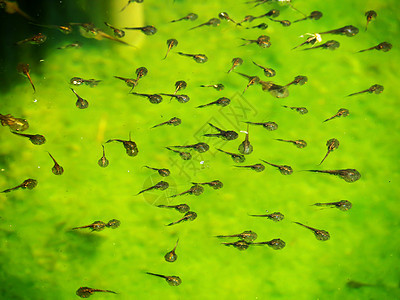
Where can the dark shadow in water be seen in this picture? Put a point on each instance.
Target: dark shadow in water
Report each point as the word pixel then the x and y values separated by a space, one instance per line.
pixel 12 287
pixel 83 244
pixel 14 28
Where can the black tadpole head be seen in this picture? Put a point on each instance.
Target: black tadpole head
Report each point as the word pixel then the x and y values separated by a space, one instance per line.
pixel 200 58
pixel 278 91
pixel 149 30
pixel 172 42
pixel 114 223
pixel 277 244
pixel 270 126
pixel 164 172
pixel 344 205
pixel 29 184
pixel 216 184
pixel 162 185
pixel 300 80
pixel 192 16
pixel 332 45
pixel 155 99
pixel 185 155
pixel 230 135
pixel 182 208
pixel 141 72
pixel 322 235
pixel 384 46
pixel 180 85
pixel 82 103
pixel 197 190
pixel 191 215
pixel 182 98
pixel 84 292
pixel 349 175
pixel 315 15
pixel 171 256
pixel 201 147
pixel 350 30
pixel 276 216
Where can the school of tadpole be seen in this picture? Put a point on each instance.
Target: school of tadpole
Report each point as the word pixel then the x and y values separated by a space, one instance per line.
pixel 242 160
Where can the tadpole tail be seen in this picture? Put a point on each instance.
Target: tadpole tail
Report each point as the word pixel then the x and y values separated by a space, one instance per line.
pixel 176 222
pixel 21 42
pixel 114 140
pixel 212 134
pixel 81 227
pixel 138 94
pixel 316 47
pixel 163 206
pixel 148 189
pixel 180 194
pixel 25 15
pixel 133 28
pixel 227 244
pixel 372 48
pixel 122 78
pixel 226 236
pixel 258 65
pixel 158 275
pixel 299 46
pixel 353 94
pixel 125 7
pixel 330 31
pixel 180 146
pixel 106 291
pixel 30 80
pixel 324 158
pixel 317 171
pixel 105 35
pixel 303 19
pixel 270 163
pixel 20 134
pixel 329 119
pixel 298 223
pixel 9 190
pixel 169 48
pixel 196 26
pixel 258 215
pixel 205 105
pixel 213 126
pixel 184 54
pixel 158 125
pixel 149 168
pixel 308 227
pixel 261 243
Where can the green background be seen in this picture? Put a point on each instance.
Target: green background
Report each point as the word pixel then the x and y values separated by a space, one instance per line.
pixel 41 258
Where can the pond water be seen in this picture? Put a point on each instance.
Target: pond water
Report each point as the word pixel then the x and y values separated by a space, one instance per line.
pixel 42 257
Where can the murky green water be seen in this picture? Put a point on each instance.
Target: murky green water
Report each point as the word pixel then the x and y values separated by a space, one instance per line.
pixel 42 258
